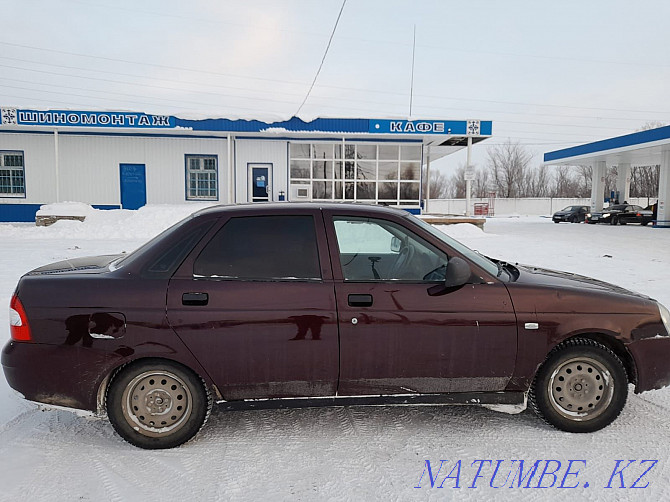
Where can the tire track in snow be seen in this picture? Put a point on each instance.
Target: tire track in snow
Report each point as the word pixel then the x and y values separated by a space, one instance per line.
pixel 12 425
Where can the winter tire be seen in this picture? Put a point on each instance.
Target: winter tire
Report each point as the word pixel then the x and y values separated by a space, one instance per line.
pixel 573 219
pixel 582 386
pixel 156 404
pixel 613 221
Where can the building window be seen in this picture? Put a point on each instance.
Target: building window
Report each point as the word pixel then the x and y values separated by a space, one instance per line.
pixel 202 177
pixel 365 172
pixel 12 175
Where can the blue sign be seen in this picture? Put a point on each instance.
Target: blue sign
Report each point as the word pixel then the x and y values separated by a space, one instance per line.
pixel 423 127
pixel 65 118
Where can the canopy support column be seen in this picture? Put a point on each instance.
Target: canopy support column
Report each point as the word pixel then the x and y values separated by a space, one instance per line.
pixel 598 185
pixel 623 182
pixel 663 216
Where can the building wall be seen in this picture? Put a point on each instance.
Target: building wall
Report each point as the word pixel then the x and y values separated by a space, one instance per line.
pixel 89 166
pixel 38 153
pixel 259 151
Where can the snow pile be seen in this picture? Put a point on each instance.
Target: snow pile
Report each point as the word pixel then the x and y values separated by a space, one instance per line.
pixel 462 231
pixel 65 209
pixel 125 224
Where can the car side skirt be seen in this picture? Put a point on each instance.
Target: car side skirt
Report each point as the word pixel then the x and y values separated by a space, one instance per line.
pixel 455 398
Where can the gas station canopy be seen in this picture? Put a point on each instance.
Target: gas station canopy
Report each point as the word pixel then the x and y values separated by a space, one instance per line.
pixel 651 147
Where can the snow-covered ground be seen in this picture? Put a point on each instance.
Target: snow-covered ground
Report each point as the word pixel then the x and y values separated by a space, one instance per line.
pixel 344 453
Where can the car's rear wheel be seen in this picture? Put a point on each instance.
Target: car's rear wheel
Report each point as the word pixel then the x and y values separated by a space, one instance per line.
pixel 581 387
pixel 157 403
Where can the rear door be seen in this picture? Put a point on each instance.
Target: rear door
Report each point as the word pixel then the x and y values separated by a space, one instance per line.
pixel 400 333
pixel 256 305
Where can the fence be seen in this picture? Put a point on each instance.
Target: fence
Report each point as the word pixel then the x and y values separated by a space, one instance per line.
pixel 522 207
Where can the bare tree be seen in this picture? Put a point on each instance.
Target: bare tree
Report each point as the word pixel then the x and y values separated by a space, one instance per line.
pixel 652 124
pixel 440 184
pixel 565 182
pixel 508 165
pixel 644 179
pixel 537 182
pixel 482 184
pixel 457 183
pixel 584 175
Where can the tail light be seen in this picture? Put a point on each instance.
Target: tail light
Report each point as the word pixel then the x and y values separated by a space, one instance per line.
pixel 18 321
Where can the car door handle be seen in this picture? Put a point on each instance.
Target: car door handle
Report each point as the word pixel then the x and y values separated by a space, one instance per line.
pixel 360 300
pixel 194 299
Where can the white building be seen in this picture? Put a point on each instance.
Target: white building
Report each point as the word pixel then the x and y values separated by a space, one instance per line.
pixel 128 159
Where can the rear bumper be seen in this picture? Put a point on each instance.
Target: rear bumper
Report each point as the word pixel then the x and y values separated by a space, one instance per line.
pixel 55 375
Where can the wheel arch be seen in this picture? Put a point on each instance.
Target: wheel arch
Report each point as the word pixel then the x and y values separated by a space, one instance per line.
pixel 103 387
pixel 616 346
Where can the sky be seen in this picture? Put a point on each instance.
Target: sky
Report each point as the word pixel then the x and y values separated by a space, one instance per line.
pixel 548 74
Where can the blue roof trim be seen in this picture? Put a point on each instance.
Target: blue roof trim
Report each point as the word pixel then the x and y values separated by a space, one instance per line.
pixel 292 125
pixel 62 132
pixel 636 138
pixel 352 139
pixel 126 121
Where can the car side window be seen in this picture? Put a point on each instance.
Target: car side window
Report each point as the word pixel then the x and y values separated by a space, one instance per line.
pixel 379 250
pixel 262 248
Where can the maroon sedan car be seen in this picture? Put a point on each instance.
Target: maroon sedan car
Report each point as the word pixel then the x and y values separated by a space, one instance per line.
pixel 279 305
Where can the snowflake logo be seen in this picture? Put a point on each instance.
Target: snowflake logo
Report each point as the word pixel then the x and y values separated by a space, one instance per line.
pixel 473 127
pixel 9 116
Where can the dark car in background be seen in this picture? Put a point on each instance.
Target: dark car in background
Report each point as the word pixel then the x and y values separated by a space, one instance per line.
pixel 290 304
pixel 571 214
pixel 621 214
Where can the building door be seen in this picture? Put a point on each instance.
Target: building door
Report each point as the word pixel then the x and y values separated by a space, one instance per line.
pixel 133 186
pixel 260 182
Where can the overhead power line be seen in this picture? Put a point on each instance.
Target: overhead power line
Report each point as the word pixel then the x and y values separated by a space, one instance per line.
pixel 323 59
pixel 344 88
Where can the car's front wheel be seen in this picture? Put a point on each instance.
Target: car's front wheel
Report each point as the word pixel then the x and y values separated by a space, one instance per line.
pixel 157 403
pixel 581 387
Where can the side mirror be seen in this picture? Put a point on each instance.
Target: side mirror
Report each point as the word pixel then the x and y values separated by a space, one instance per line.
pixel 458 272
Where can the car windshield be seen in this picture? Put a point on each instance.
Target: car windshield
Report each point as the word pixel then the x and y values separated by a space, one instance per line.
pixel 571 208
pixel 479 259
pixel 619 207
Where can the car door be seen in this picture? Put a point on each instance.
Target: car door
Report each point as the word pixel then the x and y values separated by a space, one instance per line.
pixel 401 332
pixel 255 304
